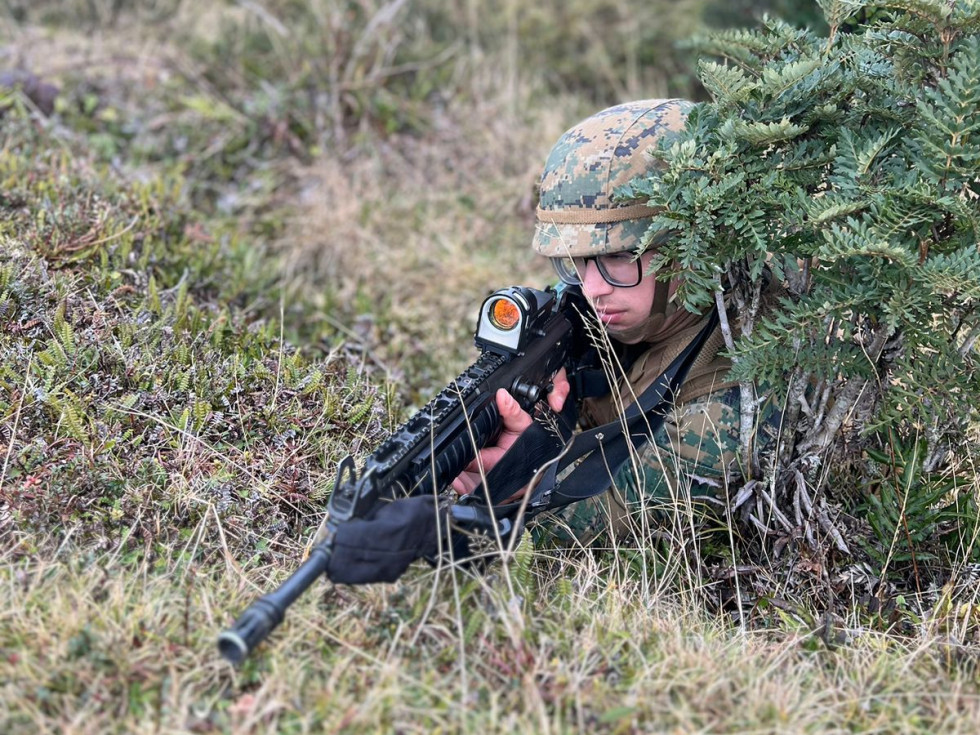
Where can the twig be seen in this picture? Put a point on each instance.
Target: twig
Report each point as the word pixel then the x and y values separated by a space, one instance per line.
pixel 970 341
pixel 795 403
pixel 830 528
pixel 803 497
pixel 757 523
pixel 13 430
pixel 748 404
pixel 746 492
pixel 780 516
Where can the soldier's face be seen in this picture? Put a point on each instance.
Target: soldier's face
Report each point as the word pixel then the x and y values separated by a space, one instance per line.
pixel 620 309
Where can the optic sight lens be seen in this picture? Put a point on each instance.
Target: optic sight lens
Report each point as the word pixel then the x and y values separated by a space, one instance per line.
pixel 504 314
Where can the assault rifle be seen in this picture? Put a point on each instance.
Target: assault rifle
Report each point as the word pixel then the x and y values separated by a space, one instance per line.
pixel 525 335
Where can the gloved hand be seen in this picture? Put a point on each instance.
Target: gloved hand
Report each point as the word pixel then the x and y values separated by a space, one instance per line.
pixel 380 548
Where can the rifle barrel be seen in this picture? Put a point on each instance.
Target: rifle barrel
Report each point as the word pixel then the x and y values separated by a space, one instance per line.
pixel 265 614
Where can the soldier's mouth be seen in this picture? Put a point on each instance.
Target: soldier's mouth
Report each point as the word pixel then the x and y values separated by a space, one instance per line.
pixel 610 316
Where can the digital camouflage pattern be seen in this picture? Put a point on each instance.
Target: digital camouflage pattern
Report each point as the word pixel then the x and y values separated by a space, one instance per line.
pixel 684 473
pixel 688 465
pixel 576 215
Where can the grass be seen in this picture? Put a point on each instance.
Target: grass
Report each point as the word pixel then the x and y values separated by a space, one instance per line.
pixel 96 645
pixel 200 319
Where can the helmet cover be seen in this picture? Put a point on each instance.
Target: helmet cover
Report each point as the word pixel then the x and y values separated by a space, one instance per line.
pixel 576 215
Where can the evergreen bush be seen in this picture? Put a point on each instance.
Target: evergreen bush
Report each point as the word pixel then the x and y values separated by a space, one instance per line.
pixel 831 187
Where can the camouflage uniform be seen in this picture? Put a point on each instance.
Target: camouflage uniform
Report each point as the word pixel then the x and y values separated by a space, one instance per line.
pixel 692 454
pixel 687 465
pixel 684 468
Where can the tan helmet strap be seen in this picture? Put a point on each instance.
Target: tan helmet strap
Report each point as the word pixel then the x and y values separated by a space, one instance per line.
pixel 593 216
pixel 660 296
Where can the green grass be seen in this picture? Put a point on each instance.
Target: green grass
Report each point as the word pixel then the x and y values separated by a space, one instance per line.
pixel 199 319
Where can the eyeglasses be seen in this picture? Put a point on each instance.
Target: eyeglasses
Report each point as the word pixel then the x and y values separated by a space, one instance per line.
pixel 623 270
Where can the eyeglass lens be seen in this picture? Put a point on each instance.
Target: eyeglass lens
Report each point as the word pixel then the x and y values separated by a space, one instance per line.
pixel 617 269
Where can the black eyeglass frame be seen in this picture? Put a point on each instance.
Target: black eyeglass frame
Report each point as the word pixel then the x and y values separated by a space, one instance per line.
pixel 569 269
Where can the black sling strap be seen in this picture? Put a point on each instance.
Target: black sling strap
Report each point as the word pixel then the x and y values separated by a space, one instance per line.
pixel 601 451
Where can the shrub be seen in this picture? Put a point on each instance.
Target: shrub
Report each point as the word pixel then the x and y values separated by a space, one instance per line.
pixel 843 168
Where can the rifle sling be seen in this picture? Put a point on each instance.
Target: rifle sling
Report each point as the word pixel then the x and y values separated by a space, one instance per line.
pixel 601 451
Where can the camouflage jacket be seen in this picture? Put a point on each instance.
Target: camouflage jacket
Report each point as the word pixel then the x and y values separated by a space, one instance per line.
pixel 690 459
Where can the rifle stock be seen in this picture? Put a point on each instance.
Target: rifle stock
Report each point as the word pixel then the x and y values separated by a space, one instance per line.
pixel 525 336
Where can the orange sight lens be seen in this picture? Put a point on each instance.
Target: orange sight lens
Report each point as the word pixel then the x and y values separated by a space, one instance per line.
pixel 504 314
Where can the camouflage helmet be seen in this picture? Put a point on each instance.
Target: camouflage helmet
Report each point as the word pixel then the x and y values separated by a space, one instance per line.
pixel 576 215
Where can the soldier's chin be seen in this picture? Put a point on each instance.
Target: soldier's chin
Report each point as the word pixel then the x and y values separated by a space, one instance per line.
pixel 627 336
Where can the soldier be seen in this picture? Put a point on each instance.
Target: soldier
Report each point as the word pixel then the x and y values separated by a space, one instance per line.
pixel 597 243
pixel 602 246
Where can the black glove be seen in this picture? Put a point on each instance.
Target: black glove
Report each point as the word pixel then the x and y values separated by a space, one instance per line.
pixel 379 548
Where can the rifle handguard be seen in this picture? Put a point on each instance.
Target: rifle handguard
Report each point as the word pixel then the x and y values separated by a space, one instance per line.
pixel 525 336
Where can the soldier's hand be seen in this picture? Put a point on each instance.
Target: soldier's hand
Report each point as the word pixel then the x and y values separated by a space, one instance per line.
pixel 560 388
pixel 515 420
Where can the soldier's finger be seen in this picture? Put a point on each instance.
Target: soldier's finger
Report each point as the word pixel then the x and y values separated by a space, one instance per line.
pixel 514 418
pixel 560 388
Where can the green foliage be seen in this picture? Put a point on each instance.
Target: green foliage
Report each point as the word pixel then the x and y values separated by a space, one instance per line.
pixel 916 515
pixel 164 450
pixel 830 185
pixel 137 378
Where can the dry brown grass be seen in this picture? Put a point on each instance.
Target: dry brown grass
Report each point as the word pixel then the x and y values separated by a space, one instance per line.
pixel 401 242
pixel 100 646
